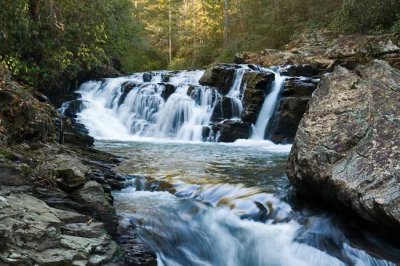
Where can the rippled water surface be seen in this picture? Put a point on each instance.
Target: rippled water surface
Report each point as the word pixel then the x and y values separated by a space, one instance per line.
pixel 226 204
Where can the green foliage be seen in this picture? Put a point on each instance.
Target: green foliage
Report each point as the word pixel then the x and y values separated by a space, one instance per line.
pixel 367 16
pixel 396 26
pixel 45 42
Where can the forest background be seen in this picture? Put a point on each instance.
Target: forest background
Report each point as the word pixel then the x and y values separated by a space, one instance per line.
pixel 45 42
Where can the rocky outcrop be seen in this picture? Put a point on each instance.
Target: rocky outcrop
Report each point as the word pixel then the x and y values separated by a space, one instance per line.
pixel 32 233
pixel 293 104
pixel 347 148
pixel 220 76
pixel 323 50
pixel 256 86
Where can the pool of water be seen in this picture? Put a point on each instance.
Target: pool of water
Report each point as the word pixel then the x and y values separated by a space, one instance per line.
pixel 228 204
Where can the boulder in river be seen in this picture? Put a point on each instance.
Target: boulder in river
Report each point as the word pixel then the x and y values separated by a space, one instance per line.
pixel 347 147
pixel 220 76
pixel 232 130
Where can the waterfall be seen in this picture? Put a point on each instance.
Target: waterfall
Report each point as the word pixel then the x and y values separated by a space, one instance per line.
pixel 268 108
pixel 166 105
pixel 235 92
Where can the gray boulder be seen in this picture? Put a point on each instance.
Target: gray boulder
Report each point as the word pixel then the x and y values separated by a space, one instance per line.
pixel 347 147
pixel 69 171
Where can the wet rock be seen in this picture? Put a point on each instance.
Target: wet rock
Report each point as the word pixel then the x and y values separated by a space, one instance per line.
pixel 166 77
pixel 74 107
pixel 287 119
pixel 147 77
pixel 232 130
pixel 205 132
pixel 299 87
pixel 72 132
pixel 168 90
pixel 136 251
pixel 220 76
pixel 347 148
pixel 293 104
pixel 126 88
pixel 97 204
pixel 223 110
pixel 256 86
pixel 302 70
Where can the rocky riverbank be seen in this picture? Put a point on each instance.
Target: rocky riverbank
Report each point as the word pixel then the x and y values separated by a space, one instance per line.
pixel 347 147
pixel 56 205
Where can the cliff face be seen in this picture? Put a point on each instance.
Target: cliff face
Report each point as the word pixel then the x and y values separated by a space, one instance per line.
pixel 347 147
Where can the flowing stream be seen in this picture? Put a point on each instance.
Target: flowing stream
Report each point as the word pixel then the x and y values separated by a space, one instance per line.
pixel 200 202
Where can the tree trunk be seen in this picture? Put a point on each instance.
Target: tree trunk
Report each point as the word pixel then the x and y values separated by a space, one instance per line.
pixel 34 7
pixel 169 31
pixel 226 23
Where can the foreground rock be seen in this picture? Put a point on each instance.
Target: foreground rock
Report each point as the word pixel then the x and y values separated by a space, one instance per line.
pixel 32 233
pixel 347 148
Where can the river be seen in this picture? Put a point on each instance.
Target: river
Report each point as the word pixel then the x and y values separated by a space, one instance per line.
pixel 230 204
pixel 196 201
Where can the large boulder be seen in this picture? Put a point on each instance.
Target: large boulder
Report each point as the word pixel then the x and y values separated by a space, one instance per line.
pixel 347 148
pixel 69 171
pixel 220 76
pixel 32 233
pixel 232 130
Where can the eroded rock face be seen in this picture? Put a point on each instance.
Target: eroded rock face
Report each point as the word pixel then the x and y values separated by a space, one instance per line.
pixel 293 104
pixel 97 204
pixel 347 148
pixel 32 233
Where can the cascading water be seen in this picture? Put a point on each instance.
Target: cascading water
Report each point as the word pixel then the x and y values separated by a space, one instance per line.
pixel 164 105
pixel 235 92
pixel 123 108
pixel 211 203
pixel 268 108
